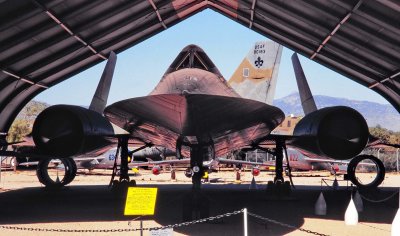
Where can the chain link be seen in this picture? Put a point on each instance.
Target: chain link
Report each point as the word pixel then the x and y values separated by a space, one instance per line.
pixel 284 224
pixel 379 201
pixel 67 230
pixel 212 218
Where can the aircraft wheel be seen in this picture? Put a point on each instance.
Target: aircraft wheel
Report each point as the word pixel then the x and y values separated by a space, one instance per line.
pixel 380 168
pixel 71 170
pixel 47 179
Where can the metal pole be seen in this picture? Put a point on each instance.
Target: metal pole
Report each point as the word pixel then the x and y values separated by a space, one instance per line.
pixel 141 228
pixel 397 160
pixel 245 221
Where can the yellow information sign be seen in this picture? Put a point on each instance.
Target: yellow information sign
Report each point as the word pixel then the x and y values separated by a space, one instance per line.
pixel 140 201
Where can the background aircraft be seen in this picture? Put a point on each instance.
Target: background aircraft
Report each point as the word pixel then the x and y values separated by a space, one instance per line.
pixel 106 158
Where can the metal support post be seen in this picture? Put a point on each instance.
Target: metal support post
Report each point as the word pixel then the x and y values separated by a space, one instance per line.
pixel 124 160
pixel 245 221
pixel 141 228
pixel 279 162
pixel 397 160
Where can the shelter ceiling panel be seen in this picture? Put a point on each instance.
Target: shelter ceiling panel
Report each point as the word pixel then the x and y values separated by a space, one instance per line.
pixel 44 42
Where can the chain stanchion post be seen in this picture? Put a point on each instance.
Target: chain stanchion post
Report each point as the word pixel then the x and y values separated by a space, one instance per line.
pixel 245 221
pixel 141 228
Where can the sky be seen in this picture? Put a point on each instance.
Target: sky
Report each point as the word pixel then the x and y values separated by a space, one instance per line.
pixel 226 42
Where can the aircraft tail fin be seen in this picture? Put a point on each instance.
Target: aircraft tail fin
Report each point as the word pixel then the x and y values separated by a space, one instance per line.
pixel 256 76
pixel 99 100
pixel 307 99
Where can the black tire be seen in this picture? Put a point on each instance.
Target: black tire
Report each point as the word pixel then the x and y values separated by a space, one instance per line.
pixel 43 175
pixel 71 170
pixel 44 178
pixel 351 171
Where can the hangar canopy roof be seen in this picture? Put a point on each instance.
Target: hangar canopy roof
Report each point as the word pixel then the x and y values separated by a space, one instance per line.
pixel 44 42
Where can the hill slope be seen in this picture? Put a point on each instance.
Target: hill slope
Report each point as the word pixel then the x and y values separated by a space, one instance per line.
pixel 375 114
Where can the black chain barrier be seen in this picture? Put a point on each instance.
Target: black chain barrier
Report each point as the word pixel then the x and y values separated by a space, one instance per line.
pixel 121 230
pixel 380 200
pixel 160 228
pixel 284 224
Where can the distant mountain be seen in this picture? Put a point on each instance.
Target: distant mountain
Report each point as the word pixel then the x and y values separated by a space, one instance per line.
pixel 375 114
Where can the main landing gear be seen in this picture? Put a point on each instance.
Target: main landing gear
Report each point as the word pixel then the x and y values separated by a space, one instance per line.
pixel 123 168
pixel 279 186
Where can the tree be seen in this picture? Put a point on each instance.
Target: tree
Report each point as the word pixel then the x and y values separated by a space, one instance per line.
pixel 19 129
pixel 380 133
pixel 22 125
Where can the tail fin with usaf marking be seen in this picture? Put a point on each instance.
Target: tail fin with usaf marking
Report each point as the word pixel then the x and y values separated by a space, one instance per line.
pixel 255 78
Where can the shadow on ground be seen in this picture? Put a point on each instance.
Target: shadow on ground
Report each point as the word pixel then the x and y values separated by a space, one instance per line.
pixel 98 203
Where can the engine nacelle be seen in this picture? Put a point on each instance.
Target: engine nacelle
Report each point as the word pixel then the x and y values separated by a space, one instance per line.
pixel 337 132
pixel 66 130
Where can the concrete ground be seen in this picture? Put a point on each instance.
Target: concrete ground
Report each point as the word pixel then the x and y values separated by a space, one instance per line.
pixel 87 204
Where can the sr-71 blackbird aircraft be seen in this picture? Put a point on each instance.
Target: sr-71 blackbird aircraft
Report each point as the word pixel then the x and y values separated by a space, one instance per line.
pixel 194 111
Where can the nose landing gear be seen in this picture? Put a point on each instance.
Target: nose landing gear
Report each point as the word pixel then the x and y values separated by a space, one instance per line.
pixel 196 204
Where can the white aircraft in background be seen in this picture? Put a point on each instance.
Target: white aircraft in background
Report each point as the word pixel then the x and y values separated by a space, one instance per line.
pixel 106 158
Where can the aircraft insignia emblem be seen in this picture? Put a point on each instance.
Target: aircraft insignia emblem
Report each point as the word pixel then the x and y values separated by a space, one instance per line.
pixel 259 62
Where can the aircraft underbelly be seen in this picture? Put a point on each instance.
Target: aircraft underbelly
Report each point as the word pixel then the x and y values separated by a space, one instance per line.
pixel 229 121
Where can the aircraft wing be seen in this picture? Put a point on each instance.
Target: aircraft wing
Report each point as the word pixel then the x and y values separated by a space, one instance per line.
pixel 159 163
pixel 77 159
pixel 35 163
pixel 162 119
pixel 320 160
pixel 209 163
pixel 239 162
pixel 29 163
pixel 332 161
pixel 55 161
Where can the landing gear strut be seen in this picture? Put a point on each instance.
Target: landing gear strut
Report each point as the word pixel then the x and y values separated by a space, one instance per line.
pixel 124 166
pixel 196 163
pixel 279 186
pixel 123 174
pixel 195 204
pixel 279 162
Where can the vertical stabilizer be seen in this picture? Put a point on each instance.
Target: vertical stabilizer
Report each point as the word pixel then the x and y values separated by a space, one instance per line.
pixel 307 100
pixel 256 76
pixel 99 100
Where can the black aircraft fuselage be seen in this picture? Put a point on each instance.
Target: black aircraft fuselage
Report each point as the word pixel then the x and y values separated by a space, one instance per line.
pixel 194 111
